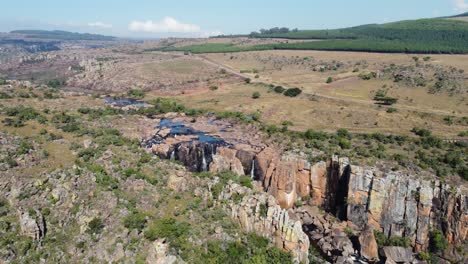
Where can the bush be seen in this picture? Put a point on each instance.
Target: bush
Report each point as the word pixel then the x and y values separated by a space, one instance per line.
pixel 136 220
pixel 344 143
pixel 293 92
pixel 329 80
pixel 391 110
pixel 437 241
pixel 174 231
pixel 213 88
pixel 279 89
pixel 343 133
pixel 422 132
pixel 256 95
pixel 367 75
pixel 384 241
pixel 135 93
pixel 247 80
pixel 95 226
pixel 246 182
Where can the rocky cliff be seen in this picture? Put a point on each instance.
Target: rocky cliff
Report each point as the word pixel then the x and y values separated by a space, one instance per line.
pixel 365 198
pixel 260 213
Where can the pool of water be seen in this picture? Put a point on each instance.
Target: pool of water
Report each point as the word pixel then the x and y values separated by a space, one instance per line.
pixel 179 129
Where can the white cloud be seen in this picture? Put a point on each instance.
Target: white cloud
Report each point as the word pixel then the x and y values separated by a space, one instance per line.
pixel 168 24
pixel 99 24
pixel 460 5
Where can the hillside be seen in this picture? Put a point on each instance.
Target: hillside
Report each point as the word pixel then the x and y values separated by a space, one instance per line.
pixel 61 35
pixel 435 35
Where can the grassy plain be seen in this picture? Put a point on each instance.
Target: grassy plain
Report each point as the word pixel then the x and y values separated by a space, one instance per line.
pixel 344 103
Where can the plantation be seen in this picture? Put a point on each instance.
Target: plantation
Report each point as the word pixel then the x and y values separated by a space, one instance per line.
pixel 415 36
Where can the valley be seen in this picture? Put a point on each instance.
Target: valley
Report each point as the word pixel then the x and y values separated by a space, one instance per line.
pixel 236 149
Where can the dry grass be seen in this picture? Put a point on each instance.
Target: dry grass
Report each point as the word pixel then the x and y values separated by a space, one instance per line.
pixel 345 103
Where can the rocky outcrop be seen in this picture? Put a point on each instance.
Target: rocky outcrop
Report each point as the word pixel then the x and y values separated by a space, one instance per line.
pixel 369 248
pixel 363 198
pixel 33 226
pixel 158 254
pixel 260 213
pixel 397 255
pixel 327 235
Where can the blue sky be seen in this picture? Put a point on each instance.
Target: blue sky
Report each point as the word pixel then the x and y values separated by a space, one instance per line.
pixel 154 18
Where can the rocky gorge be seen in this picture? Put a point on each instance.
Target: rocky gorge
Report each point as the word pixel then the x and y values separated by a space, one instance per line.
pixel 333 205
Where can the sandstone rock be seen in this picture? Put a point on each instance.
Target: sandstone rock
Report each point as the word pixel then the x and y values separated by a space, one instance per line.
pixel 397 255
pixel 87 143
pixel 226 159
pixel 177 183
pixel 369 248
pixel 32 226
pixel 260 213
pixel 158 254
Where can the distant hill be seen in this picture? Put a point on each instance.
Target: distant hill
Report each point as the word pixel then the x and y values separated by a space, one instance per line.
pixel 461 17
pixel 62 35
pixel 433 35
pixel 433 29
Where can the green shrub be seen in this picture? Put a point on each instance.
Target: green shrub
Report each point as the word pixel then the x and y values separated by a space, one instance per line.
pixel 263 210
pixel 135 93
pixel 174 231
pixel 213 87
pixel 95 226
pixel 421 132
pixel 4 95
pixel 437 241
pixel 256 95
pixel 247 80
pixel 318 135
pixel 293 92
pixel 391 110
pixel 279 89
pixel 246 182
pixel 344 143
pixel 135 220
pixel 367 75
pixel 343 133
pixel 329 80
pixel 383 240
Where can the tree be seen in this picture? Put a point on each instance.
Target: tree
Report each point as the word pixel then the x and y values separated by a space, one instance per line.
pixel 293 92
pixel 247 80
pixel 382 98
pixel 329 80
pixel 256 95
pixel 279 89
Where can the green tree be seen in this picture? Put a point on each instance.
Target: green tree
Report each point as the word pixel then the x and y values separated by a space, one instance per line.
pixel 256 95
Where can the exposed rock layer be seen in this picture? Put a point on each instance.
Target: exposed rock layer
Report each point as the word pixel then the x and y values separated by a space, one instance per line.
pixel 394 203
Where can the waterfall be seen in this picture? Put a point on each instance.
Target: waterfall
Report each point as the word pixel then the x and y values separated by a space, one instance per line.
pixel 252 171
pixel 204 165
pixel 172 155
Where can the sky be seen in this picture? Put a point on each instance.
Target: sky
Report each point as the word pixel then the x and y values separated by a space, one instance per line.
pixel 202 18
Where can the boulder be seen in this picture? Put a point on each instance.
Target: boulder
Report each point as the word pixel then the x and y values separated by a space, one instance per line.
pixel 369 247
pixel 397 255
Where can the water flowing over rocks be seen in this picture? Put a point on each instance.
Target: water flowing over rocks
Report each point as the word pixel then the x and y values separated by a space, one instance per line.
pixel 358 197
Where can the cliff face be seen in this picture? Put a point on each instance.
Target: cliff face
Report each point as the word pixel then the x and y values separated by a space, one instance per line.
pixel 397 204
pixel 260 213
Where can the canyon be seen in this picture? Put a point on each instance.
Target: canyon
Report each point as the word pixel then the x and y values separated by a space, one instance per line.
pixel 339 206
